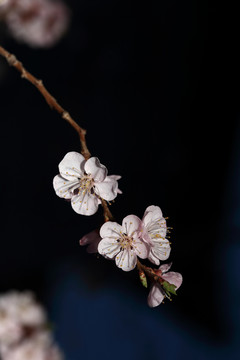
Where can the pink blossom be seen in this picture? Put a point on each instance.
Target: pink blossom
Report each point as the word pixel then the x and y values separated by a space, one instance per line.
pixel 84 182
pixel 154 231
pixel 157 293
pixel 39 23
pixel 122 243
pixel 91 239
pixel 37 347
pixel 18 310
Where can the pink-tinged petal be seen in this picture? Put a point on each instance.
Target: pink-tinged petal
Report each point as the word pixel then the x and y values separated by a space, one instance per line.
pixel 144 235
pixel 96 169
pixel 64 188
pixel 109 247
pixel 111 229
pixel 173 278
pixel 84 203
pixel 152 214
pixel 91 239
pixel 106 189
pixel 126 260
pixel 71 166
pixel 155 296
pixel 115 177
pixel 131 225
pixel 161 250
pixel 153 258
pixel 165 267
pixel 141 248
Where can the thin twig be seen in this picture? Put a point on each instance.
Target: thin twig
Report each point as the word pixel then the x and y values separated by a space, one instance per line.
pixel 52 102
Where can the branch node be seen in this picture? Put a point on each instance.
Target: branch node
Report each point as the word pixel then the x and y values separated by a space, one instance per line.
pixel 65 115
pixel 12 60
pixel 24 74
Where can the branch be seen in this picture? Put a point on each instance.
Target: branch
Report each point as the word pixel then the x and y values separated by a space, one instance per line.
pixel 52 102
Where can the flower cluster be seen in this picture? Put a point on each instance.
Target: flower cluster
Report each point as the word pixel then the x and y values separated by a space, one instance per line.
pixel 39 23
pixel 86 184
pixel 24 333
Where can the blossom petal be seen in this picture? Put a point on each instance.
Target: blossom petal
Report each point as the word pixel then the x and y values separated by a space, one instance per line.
pixel 64 188
pixel 108 189
pixel 109 247
pixel 71 166
pixel 96 169
pixel 131 225
pixel 155 296
pixel 161 250
pixel 85 203
pixel 174 278
pixel 152 214
pixel 165 267
pixel 126 260
pixel 141 248
pixel 115 177
pixel 153 258
pixel 111 229
pixel 91 239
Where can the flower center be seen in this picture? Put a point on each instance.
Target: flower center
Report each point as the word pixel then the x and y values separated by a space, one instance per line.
pixel 126 242
pixel 86 184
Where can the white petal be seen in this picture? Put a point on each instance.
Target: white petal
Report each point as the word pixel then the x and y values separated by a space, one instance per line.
pixel 64 188
pixel 141 248
pixel 162 252
pixel 153 258
pixel 152 214
pixel 173 278
pixel 109 247
pixel 131 225
pixel 165 267
pixel 85 203
pixel 111 229
pixel 126 260
pixel 71 166
pixel 155 296
pixel 96 169
pixel 108 189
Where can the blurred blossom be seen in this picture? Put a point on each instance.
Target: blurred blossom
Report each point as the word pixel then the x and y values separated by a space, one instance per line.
pixel 39 23
pixel 38 347
pixel 24 330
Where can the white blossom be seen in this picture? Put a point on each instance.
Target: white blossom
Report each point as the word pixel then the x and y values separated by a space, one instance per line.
pixel 84 182
pixel 122 242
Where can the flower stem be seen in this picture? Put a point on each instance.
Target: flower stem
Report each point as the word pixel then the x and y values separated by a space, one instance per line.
pixel 51 101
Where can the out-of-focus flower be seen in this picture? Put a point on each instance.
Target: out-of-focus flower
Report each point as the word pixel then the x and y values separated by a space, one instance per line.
pixel 84 182
pixel 36 347
pixel 122 242
pixel 154 231
pixel 91 239
pixel 157 292
pixel 39 23
pixel 24 331
pixel 18 311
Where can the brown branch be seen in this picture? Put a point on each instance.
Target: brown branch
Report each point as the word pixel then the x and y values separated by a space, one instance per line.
pixel 52 102
pixel 106 212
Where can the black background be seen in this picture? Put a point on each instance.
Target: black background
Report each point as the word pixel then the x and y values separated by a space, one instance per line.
pixel 155 85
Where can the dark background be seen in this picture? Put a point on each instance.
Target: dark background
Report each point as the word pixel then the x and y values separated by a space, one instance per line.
pixel 156 87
